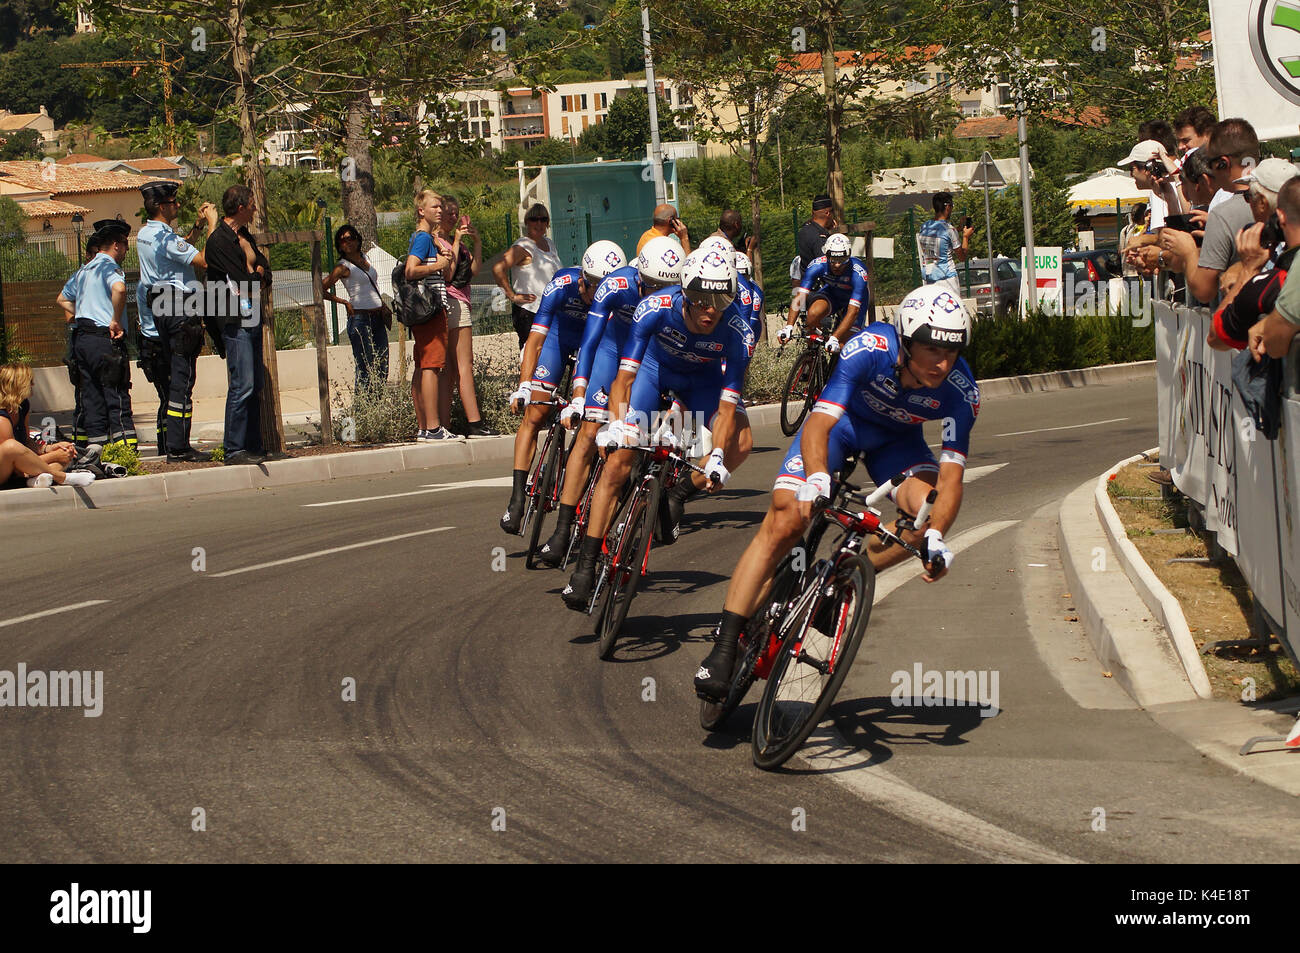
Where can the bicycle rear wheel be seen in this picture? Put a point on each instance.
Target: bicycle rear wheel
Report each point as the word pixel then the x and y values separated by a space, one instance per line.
pixel 549 478
pixel 625 570
pixel 814 660
pixel 798 385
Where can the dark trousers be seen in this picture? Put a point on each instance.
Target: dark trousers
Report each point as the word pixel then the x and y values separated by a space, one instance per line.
pixel 369 339
pixel 523 322
pixel 184 340
pixel 106 406
pixel 155 361
pixel 243 408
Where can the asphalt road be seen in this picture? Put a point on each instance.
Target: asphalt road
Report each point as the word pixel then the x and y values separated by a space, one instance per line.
pixel 479 697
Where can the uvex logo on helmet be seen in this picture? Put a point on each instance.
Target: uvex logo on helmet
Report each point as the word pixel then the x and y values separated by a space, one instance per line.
pixel 717 284
pixel 940 336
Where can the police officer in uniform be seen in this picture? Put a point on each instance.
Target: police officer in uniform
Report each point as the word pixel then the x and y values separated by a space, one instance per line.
pixel 170 303
pixel 100 347
pixel 67 300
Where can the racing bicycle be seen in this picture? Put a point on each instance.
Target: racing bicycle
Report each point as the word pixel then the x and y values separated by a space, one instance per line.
pixel 806 379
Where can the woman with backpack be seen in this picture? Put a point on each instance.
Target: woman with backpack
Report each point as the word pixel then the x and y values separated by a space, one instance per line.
pixel 454 230
pixel 368 319
pixel 430 385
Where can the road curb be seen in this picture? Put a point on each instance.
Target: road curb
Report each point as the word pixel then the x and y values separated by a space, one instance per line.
pixel 187 484
pixel 1148 586
pixel 1130 644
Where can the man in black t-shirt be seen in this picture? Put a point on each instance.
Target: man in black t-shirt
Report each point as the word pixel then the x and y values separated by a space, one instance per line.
pixel 814 232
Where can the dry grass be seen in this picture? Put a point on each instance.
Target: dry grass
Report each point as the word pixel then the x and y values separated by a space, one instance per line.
pixel 1215 598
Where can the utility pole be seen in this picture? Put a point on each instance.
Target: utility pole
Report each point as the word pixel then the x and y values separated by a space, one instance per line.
pixel 656 153
pixel 1031 282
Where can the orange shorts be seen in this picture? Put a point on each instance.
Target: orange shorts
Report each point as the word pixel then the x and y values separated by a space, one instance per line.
pixel 431 343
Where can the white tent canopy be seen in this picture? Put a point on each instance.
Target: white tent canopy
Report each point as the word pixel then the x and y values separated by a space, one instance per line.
pixel 1098 195
pixel 948 177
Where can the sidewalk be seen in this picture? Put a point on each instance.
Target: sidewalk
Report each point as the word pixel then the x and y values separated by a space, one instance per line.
pixel 1138 631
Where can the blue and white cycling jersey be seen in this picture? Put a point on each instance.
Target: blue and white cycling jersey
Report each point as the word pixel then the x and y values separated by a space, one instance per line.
pixel 749 294
pixel 608 322
pixel 561 316
pixel 702 369
pixel 876 414
pixel 850 286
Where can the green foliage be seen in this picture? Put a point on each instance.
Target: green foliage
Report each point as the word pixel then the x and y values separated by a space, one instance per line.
pixel 23 144
pixel 219 453
pixel 1006 346
pixel 626 129
pixel 11 225
pixel 380 412
pixel 11 352
pixel 123 455
pixel 288 330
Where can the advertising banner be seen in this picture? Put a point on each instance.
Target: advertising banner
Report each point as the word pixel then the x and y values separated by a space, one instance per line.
pixel 1257 63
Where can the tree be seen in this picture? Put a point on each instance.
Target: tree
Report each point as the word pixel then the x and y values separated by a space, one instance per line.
pixel 626 129
pixel 12 220
pixel 28 18
pixel 23 144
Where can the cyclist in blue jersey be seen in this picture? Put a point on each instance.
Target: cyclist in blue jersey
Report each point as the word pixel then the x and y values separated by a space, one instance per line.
pixel 657 267
pixel 836 284
pixel 556 333
pixel 889 381
pixel 679 342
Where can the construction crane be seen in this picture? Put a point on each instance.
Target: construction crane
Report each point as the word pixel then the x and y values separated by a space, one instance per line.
pixel 165 65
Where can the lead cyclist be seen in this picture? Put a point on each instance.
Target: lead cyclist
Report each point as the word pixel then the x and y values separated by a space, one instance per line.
pixel 889 382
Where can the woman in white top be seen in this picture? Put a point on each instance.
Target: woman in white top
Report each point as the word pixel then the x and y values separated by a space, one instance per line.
pixel 531 261
pixel 368 319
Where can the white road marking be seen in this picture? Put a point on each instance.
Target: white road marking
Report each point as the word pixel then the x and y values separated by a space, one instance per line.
pixel 43 614
pixel 974 473
pixel 827 751
pixel 428 488
pixel 1095 423
pixel 1037 565
pixel 328 552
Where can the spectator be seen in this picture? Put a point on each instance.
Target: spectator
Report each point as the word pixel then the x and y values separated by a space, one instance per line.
pixel 731 227
pixel 235 261
pixel 941 246
pixel 430 384
pixel 1233 146
pixel 1256 296
pixel 1192 128
pixel 1137 223
pixel 24 461
pixel 460 342
pixel 813 234
pixel 1159 131
pixel 369 321
pixel 67 300
pixel 530 262
pixel 666 224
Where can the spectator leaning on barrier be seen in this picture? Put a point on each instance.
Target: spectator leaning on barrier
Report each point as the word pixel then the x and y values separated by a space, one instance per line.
pixel 1233 147
pixel 1144 162
pixel 1273 334
pixel 453 235
pixel 941 246
pixel 1256 296
pixel 237 270
pixel 525 268
pixel 1192 128
pixel 665 224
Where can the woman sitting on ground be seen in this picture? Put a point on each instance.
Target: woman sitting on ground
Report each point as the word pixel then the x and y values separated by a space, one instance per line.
pixel 24 461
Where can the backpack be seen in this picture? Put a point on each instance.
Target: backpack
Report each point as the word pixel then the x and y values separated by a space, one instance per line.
pixel 417 302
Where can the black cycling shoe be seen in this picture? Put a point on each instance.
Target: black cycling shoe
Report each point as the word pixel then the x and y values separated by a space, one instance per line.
pixel 577 594
pixel 553 550
pixel 713 680
pixel 513 518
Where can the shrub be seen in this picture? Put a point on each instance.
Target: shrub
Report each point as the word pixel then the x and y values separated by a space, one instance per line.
pixel 121 454
pixel 380 411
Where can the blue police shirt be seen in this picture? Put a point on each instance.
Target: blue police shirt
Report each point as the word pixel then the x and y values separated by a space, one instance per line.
pixel 95 290
pixel 164 260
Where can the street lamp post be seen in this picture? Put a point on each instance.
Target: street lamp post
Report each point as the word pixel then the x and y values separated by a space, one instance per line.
pixel 656 153
pixel 1031 282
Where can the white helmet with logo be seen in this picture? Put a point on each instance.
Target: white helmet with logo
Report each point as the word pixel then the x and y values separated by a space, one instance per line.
pixel 660 262
pixel 727 249
pixel 934 315
pixel 837 246
pixel 708 279
pixel 600 259
pixel 743 265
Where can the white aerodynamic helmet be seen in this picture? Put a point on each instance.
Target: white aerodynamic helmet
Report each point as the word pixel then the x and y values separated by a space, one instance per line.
pixel 601 258
pixel 934 315
pixel 727 249
pixel 660 262
pixel 708 279
pixel 743 265
pixel 837 246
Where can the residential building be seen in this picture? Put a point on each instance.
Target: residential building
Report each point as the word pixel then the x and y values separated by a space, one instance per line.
pixel 50 195
pixel 286 145
pixel 39 121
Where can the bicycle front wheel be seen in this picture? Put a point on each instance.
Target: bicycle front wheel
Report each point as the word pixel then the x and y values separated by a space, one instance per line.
pixel 548 478
pixel 814 660
pixel 798 385
pixel 625 571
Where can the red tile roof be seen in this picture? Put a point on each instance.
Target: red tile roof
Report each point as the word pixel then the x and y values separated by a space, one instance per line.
pixel 68 179
pixel 49 208
pixel 73 158
pixel 152 164
pixel 985 127
pixel 845 59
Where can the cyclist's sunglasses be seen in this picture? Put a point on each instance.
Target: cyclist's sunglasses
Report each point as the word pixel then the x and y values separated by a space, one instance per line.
pixel 709 299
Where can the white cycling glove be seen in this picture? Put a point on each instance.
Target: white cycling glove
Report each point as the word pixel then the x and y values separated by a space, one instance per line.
pixel 935 546
pixel 610 436
pixel 817 486
pixel 786 333
pixel 520 397
pixel 573 412
pixel 714 470
pixel 833 344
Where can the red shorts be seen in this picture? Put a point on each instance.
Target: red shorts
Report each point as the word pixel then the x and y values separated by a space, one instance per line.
pixel 431 343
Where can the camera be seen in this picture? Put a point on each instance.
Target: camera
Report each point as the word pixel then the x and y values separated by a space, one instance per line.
pixel 1156 168
pixel 1271 234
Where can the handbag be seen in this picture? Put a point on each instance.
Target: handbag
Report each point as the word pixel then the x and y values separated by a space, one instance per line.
pixel 384 310
pixel 417 302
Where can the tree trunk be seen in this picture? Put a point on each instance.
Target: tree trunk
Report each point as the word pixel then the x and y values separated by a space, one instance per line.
pixel 834 174
pixel 241 63
pixel 755 211
pixel 358 170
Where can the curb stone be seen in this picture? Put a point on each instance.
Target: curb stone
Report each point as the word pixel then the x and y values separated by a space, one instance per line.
pixel 185 484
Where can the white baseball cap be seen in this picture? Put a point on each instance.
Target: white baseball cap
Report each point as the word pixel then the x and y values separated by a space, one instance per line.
pixel 1272 174
pixel 1144 151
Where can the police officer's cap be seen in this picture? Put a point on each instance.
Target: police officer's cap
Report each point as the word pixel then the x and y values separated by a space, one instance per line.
pixel 159 192
pixel 111 230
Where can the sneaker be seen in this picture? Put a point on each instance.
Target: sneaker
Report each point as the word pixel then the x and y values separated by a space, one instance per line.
pixel 442 433
pixel 553 550
pixel 41 481
pixel 713 680
pixel 480 429
pixel 90 454
pixel 577 594
pixel 423 436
